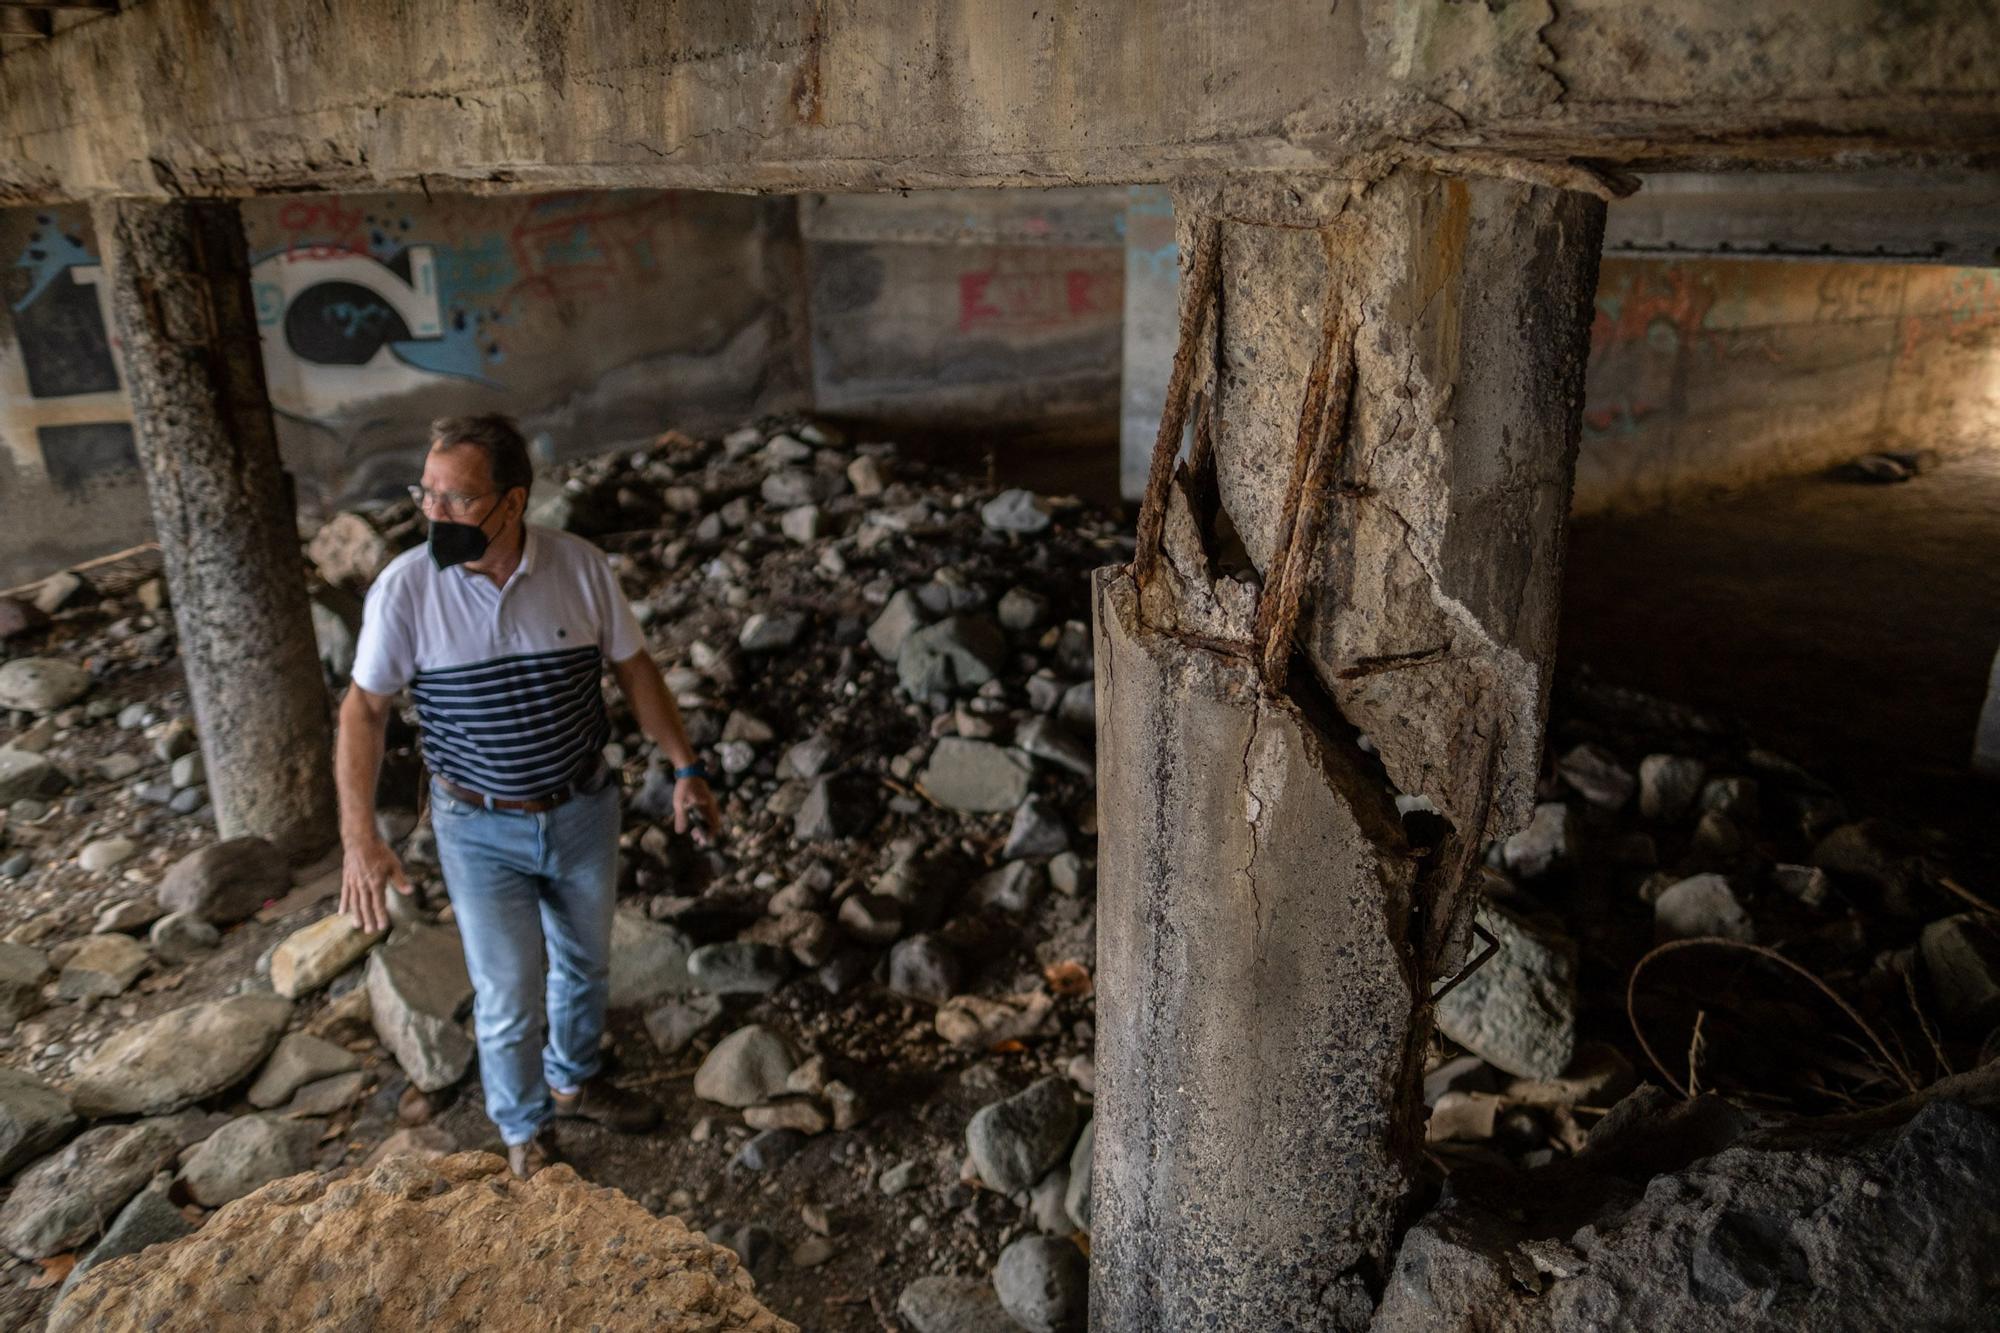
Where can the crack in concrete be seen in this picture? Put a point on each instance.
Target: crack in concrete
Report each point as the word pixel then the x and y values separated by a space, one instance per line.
pixel 1253 817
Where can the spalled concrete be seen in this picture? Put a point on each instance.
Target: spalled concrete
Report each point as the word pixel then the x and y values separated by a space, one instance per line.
pixel 1366 537
pixel 1257 1060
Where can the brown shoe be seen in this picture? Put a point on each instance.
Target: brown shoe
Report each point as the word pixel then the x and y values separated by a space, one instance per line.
pixel 610 1106
pixel 524 1159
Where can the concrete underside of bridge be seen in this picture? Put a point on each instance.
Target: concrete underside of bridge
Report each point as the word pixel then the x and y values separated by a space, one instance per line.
pixel 252 96
pixel 1399 210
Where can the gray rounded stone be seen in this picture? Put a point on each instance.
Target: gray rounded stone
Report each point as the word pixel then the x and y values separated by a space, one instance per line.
pixel 41 684
pixel 1015 1142
pixel 748 1066
pixel 1043 1282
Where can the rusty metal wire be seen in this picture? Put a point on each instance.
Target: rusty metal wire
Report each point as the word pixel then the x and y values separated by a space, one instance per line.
pixel 1895 1066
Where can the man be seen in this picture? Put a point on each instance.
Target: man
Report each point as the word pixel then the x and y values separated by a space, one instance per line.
pixel 501 630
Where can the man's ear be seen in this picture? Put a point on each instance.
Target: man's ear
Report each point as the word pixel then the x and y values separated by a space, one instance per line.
pixel 517 504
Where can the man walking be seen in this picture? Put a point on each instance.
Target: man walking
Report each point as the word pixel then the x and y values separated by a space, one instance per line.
pixel 501 629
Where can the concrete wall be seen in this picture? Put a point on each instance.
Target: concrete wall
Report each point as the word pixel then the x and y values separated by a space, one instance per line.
pixel 1713 373
pixel 597 318
pixel 69 475
pixel 994 318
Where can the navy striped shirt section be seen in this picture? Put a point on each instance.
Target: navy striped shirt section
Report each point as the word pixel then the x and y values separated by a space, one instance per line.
pixel 514 727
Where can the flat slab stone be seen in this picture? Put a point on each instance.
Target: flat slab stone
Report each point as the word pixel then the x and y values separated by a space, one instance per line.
pixel 41 684
pixel 24 775
pixel 299 1059
pixel 976 776
pixel 180 1057
pixel 102 966
pixel 22 972
pixel 311 956
pixel 417 987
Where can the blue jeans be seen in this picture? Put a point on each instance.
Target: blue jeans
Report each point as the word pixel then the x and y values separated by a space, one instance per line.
pixel 523 886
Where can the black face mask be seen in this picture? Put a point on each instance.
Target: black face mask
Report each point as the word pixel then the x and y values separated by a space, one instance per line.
pixel 455 543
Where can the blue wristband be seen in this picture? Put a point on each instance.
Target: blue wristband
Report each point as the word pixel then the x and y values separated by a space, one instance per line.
pixel 694 770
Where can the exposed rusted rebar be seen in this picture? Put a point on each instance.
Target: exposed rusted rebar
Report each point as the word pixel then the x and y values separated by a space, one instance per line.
pixel 1198 301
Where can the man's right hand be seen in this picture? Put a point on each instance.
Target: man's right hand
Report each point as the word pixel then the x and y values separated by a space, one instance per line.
pixel 368 868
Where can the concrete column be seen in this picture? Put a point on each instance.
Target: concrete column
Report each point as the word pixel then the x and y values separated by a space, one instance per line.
pixel 222 508
pixel 1350 619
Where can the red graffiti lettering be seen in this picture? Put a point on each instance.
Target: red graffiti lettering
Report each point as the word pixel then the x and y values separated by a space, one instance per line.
pixel 1972 309
pixel 1000 299
pixel 321 228
pixel 1678 300
pixel 584 244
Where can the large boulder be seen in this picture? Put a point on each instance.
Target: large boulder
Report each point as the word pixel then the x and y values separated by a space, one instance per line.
pixel 180 1057
pixel 1517 1010
pixel 34 1118
pixel 454 1243
pixel 418 988
pixel 64 1200
pixel 1688 1215
pixel 227 881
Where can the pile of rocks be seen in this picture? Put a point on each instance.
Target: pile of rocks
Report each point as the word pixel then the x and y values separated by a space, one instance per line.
pixel 868 1009
pixel 891 679
pixel 1658 827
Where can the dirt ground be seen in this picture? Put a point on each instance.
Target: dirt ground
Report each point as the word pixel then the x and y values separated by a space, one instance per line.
pixel 1850 625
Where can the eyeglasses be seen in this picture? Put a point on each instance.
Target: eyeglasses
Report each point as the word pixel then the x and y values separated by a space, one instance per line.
pixel 449 502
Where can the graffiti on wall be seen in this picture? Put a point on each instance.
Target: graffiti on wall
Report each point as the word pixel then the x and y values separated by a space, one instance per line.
pixel 1648 316
pixel 1001 299
pixel 1970 310
pixel 69 398
pixel 359 304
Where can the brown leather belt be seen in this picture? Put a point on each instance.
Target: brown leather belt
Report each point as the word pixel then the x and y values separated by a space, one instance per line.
pixel 533 805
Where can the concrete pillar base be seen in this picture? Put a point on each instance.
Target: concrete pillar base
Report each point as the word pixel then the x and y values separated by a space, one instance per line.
pixel 1258 1061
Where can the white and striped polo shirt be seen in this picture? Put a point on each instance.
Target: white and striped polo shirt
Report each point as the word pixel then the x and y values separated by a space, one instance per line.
pixel 505 679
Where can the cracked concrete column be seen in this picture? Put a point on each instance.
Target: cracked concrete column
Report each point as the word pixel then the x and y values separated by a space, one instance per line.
pixel 1322 686
pixel 222 508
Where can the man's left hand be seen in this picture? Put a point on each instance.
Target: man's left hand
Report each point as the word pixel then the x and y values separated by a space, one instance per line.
pixel 692 797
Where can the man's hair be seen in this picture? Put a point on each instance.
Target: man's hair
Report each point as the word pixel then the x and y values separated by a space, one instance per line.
pixel 498 438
